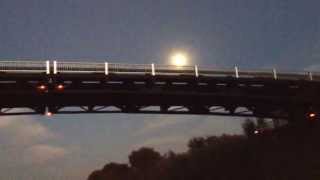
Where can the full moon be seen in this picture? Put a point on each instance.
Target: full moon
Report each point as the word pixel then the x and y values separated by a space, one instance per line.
pixel 179 59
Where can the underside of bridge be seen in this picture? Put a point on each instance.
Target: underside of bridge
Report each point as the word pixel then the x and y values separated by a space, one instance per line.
pixel 22 94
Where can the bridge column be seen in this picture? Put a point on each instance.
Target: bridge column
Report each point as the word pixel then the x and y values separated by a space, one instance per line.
pixel 231 108
pixel 301 121
pixel 53 109
pixel 297 115
pixel 40 109
pixel 150 83
pixel 91 108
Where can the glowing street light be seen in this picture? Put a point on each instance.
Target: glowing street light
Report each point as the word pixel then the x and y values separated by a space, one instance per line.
pixel 179 59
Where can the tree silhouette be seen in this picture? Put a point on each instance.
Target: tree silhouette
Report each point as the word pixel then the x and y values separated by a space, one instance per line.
pixel 197 143
pixel 261 123
pixel 144 162
pixel 289 152
pixel 249 127
pixel 112 171
pixel 144 158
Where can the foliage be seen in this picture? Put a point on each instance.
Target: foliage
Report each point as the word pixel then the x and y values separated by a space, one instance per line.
pixel 291 152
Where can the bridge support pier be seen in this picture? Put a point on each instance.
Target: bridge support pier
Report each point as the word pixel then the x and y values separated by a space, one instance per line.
pixel 231 109
pixel 199 109
pixel 130 108
pixel 299 116
pixel 40 109
pixel 164 108
pixel 91 108
pixel 150 83
pixel 52 109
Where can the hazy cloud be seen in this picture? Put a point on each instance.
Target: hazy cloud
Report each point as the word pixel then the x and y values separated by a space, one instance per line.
pixel 165 143
pixel 160 122
pixel 173 132
pixel 22 131
pixel 24 140
pixel 314 67
pixel 217 125
pixel 42 153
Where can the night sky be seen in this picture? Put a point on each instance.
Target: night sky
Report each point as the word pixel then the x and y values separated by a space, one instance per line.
pixel 252 34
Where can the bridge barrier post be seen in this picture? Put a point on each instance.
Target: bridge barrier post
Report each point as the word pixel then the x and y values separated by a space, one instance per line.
pixel 236 69
pixel 310 76
pixel 106 68
pixel 54 67
pixel 196 71
pixel 48 67
pixel 153 71
pixel 275 76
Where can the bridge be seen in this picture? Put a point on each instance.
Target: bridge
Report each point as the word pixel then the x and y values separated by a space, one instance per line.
pixel 58 87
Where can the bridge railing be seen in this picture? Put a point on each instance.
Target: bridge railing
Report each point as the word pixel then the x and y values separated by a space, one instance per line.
pixel 78 67
pixel 295 75
pixel 25 66
pixel 236 73
pixel 174 70
pixel 56 67
pixel 129 68
pixel 267 73
pixel 316 76
pixel 205 71
pixel 281 75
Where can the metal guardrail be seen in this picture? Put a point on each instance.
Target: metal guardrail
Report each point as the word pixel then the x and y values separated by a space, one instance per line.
pixel 80 67
pixel 315 76
pixel 56 67
pixel 267 73
pixel 129 68
pixel 216 72
pixel 174 70
pixel 25 66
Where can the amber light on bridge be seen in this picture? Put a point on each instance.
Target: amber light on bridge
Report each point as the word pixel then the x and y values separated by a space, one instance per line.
pixel 42 87
pixel 48 114
pixel 312 115
pixel 60 87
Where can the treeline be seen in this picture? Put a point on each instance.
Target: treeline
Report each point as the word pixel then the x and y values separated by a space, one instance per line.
pixel 291 152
